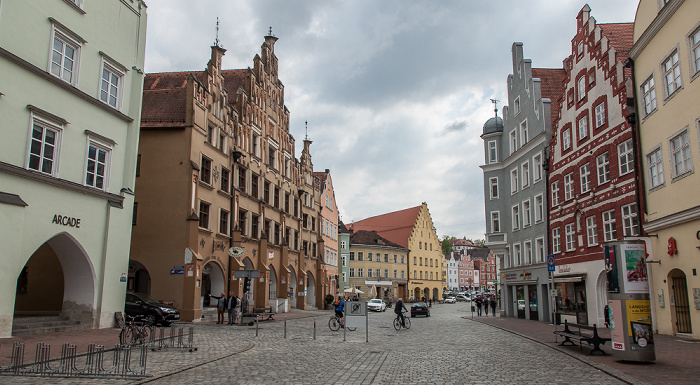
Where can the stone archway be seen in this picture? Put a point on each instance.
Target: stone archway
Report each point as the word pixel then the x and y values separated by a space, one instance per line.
pixel 426 293
pixel 680 307
pixel 272 283
pixel 292 293
pixel 58 278
pixel 139 280
pixel 310 290
pixel 416 294
pixel 436 294
pixel 213 282
pixel 247 299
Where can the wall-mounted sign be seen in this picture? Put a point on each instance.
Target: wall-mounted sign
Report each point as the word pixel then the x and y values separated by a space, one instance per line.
pixel 66 221
pixel 672 248
pixel 235 251
pixel 123 278
pixel 177 271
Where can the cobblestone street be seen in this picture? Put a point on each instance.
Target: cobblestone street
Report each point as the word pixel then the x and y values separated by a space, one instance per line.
pixel 446 348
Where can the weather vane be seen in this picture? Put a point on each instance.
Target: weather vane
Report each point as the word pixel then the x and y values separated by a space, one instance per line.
pixel 216 42
pixel 306 123
pixel 495 106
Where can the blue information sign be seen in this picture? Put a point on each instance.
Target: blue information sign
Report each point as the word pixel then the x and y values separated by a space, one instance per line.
pixel 550 262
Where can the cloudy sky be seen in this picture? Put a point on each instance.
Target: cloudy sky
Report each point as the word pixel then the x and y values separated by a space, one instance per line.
pixel 395 92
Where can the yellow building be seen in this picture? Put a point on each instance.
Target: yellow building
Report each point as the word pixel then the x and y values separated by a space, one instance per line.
pixel 666 56
pixel 413 229
pixel 377 266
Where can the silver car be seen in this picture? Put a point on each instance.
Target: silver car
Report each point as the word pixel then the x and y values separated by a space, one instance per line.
pixel 376 304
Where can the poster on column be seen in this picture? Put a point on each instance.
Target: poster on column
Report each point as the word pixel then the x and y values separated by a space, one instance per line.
pixel 639 333
pixel 617 332
pixel 635 268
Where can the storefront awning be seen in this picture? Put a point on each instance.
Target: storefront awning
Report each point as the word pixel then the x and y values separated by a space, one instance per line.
pixel 570 278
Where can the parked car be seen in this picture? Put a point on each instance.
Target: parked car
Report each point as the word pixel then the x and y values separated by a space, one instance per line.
pixel 149 309
pixel 376 304
pixel 462 298
pixel 450 300
pixel 420 308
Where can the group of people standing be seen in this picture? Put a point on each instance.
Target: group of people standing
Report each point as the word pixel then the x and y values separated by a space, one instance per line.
pixel 485 303
pixel 230 305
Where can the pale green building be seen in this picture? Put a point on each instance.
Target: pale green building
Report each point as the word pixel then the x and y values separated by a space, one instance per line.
pixel 70 100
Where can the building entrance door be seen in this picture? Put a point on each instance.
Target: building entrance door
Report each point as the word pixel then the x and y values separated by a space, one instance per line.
pixel 532 293
pixel 682 307
pixel 520 300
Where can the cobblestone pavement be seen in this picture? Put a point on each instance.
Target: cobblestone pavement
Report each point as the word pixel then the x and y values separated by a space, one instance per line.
pixel 445 348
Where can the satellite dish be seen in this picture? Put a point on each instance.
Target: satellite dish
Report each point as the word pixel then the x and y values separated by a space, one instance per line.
pixel 235 251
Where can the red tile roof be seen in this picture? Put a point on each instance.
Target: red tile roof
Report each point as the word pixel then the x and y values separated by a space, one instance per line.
pixel 395 227
pixel 364 237
pixel 233 80
pixel 620 36
pixel 551 86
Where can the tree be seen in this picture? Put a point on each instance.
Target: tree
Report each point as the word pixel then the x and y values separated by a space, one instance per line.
pixel 447 245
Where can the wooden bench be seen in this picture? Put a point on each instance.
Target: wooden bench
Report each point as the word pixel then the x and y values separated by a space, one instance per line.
pixel 264 311
pixel 582 333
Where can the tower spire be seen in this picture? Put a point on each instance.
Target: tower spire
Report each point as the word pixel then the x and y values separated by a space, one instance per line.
pixel 495 106
pixel 306 123
pixel 216 42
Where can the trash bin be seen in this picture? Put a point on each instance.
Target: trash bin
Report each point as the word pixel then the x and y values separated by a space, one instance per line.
pixel 248 319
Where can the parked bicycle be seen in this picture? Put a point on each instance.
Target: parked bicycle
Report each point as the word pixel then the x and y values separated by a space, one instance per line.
pixel 134 332
pixel 406 319
pixel 335 324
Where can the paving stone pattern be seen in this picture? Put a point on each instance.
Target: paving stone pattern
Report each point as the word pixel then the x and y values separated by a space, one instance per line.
pixel 442 349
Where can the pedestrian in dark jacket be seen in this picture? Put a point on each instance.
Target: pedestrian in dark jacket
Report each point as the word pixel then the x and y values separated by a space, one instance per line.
pixel 493 306
pixel 479 302
pixel 220 307
pixel 486 306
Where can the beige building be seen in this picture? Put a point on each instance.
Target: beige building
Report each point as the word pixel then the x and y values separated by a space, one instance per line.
pixel 218 190
pixel 666 56
pixel 377 266
pixel 413 229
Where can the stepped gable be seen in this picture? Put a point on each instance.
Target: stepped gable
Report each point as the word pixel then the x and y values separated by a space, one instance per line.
pixel 233 80
pixel 365 237
pixel 164 99
pixel 395 227
pixel 551 85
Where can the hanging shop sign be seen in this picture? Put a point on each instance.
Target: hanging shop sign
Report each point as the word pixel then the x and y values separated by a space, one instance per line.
pixel 672 248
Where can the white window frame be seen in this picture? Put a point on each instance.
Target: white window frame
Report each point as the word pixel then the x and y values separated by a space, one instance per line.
pixel 569 186
pixel 630 222
pixel 625 157
pixel 556 241
pixel 493 187
pixel 99 146
pixel 539 249
pixel 555 193
pixel 57 129
pixel 682 148
pixel 517 257
pixel 609 228
pixel 492 152
pixel 566 139
pixel 570 236
pixel 225 231
pixel 537 168
pixel 211 169
pixel 581 88
pixel 524 135
pixel 495 221
pixel 694 52
pixel 585 176
pixel 582 125
pixel 117 71
pixel 655 168
pixel 513 181
pixel 671 71
pixel 513 141
pixel 539 208
pixel 515 217
pixel 603 168
pixel 69 38
pixel 516 106
pixel 527 257
pixel 648 92
pixel 592 230
pixel 525 174
pixel 599 114
pixel 527 213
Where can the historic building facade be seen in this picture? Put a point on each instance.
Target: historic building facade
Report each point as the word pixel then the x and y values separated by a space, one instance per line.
pixel 413 229
pixel 515 188
pixel 238 203
pixel 377 266
pixel 329 230
pixel 70 101
pixel 592 188
pixel 666 56
pixel 344 250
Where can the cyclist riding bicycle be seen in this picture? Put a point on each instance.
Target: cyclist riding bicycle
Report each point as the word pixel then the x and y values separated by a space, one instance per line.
pixel 339 306
pixel 399 309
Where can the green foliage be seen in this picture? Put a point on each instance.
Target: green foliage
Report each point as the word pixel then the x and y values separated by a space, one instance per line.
pixel 447 244
pixel 329 298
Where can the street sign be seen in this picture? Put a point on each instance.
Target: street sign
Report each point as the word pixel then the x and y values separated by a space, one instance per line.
pixel 550 262
pixel 246 274
pixel 177 271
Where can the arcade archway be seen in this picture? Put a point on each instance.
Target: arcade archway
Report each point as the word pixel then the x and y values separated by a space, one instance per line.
pixel 213 282
pixel 139 278
pixel 310 290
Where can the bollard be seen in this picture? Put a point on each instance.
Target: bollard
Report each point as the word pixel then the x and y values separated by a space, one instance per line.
pixel 256 326
pixel 314 328
pixel 285 327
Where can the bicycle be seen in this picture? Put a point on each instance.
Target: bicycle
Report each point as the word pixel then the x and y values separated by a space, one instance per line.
pixel 335 324
pixel 134 332
pixel 397 321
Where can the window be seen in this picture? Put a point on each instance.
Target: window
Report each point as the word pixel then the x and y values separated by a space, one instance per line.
pixel 539 208
pixel 352 255
pixel 570 242
pixel 513 141
pixel 386 258
pixel 581 87
pixel 516 254
pixel 221 144
pixel 495 221
pixel 585 173
pixel 630 224
pixel 671 68
pixel 527 221
pixel 493 152
pixel 360 255
pixel 556 242
pixel 592 231
pixel 241 179
pixel 537 168
pixel 516 106
pixel 656 168
pixel 681 161
pixel 255 144
pixel 386 273
pixel 111 85
pixel 370 256
pixel 624 152
pixel 225 179
pixel 523 133
pixel 513 181
pixel 223 221
pixel 65 55
pixel 98 159
pixel 599 114
pixel 694 44
pixel 205 170
pixel 603 166
pixel 583 127
pixel 528 252
pixel 352 272
pixel 539 249
pixel 555 193
pixel 44 147
pixel 272 157
pixel 649 95
pixel 254 189
pixel 493 183
pixel 569 186
pixel 204 214
pixel 566 139
pixel 609 231
pixel 515 211
pixel 360 272
pixel 370 272
pixel 525 171
pixel 242 216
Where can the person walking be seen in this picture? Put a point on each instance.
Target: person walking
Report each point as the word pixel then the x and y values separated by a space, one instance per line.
pixel 231 307
pixel 493 306
pixel 237 311
pixel 220 307
pixel 479 302
pixel 486 306
pixel 399 309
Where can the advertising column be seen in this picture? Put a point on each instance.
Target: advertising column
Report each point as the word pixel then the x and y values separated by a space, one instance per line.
pixel 629 308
